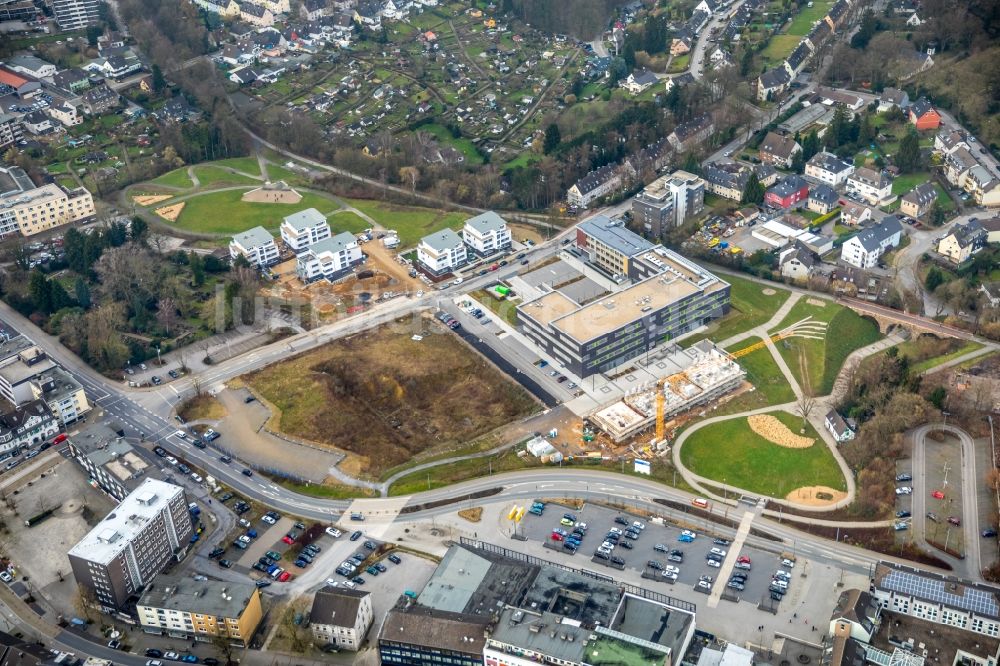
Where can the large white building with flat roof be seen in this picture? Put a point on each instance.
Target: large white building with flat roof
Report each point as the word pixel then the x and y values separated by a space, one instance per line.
pixel 331 258
pixel 486 234
pixel 441 252
pixel 117 559
pixel 255 245
pixel 28 210
pixel 304 228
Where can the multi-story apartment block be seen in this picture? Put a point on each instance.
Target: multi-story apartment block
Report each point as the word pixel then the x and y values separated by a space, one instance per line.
pixel 593 186
pixel 224 8
pixel 828 168
pixel 76 14
pixel 331 258
pixel 117 559
pixel 256 246
pixel 110 461
pixel 873 187
pixel 27 425
pixel 441 252
pixel 181 607
pixel 304 228
pixel 667 202
pixel 29 210
pixel 418 636
pixel 27 374
pixel 340 617
pixel 62 393
pixel 10 130
pixel 865 249
pixel 486 234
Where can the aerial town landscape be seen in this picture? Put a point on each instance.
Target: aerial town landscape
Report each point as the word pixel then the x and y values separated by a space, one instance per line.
pixel 499 332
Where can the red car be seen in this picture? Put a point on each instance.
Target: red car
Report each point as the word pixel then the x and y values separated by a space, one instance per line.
pixel 287 539
pixel 937 494
pixel 557 537
pixel 744 559
pixel 284 577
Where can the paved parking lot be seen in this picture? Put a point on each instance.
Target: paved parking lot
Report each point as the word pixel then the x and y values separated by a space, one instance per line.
pixel 600 520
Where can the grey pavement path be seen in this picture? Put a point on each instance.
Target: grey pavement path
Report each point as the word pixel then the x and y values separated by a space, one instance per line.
pixel 975 353
pixel 762 330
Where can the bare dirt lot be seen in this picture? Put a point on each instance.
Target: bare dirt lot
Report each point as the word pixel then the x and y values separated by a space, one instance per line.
pixel 386 397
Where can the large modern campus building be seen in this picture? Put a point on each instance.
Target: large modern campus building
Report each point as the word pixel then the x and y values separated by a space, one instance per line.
pixel 666 296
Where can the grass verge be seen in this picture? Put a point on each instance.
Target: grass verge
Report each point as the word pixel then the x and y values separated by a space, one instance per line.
pixel 734 454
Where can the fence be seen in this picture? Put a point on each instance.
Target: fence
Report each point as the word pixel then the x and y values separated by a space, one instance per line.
pixel 659 598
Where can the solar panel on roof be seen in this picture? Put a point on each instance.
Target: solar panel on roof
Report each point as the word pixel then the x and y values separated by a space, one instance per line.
pixel 971 599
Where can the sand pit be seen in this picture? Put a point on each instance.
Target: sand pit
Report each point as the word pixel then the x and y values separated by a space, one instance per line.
pixel 776 432
pixel 150 199
pixel 277 192
pixel 170 213
pixel 815 496
pixel 817 302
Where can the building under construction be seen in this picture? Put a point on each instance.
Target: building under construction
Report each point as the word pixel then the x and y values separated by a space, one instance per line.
pixel 712 374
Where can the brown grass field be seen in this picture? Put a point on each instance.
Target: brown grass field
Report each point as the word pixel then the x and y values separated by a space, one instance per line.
pixel 385 397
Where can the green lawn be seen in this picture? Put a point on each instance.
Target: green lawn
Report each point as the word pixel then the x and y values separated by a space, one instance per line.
pixel 780 47
pixel 224 213
pixel 462 144
pixel 175 178
pixel 214 176
pixel 505 308
pixel 347 221
pixel 764 373
pixel 731 452
pixel 927 364
pixel 293 178
pixel 410 223
pixel 823 358
pixel 903 184
pixel 245 164
pixel 750 307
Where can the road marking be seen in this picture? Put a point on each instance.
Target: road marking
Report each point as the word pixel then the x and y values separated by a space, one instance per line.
pixel 730 562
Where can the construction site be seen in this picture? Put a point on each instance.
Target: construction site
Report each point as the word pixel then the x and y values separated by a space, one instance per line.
pixel 711 374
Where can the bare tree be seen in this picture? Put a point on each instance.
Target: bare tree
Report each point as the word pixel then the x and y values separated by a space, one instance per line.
pixel 85 602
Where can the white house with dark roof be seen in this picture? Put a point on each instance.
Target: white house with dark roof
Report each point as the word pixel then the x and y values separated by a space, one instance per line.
pixel 340 617
pixel 838 427
pixel 304 228
pixel 594 185
pixel 872 186
pixel 893 98
pixel 779 149
pixel 486 234
pixel 828 168
pixel 331 258
pixel 256 245
pixel 865 249
pixel 441 252
pixel 772 83
pixel 638 81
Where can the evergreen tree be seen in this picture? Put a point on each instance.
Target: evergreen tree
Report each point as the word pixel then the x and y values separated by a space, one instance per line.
pixel 159 81
pixel 552 138
pixel 82 293
pixel 746 61
pixel 937 214
pixel 810 145
pixel 628 54
pixel 934 279
pixel 754 190
pixel 40 292
pixel 197 269
pixel 908 155
pixel 839 131
pixel 138 229
pixel 798 162
pixel 692 165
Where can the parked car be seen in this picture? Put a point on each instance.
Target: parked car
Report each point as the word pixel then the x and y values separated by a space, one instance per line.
pixel 904 490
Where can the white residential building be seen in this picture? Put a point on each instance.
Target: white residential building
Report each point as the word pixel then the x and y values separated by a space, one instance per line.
pixel 936 598
pixel 331 258
pixel 27 425
pixel 65 113
pixel 838 426
pixel 865 249
pixel 340 617
pixel 828 168
pixel 304 228
pixel 486 234
pixel 441 252
pixel 29 210
pixel 873 187
pixel 256 245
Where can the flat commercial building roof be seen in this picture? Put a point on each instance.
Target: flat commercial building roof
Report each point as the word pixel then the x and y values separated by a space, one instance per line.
pixel 583 290
pixel 556 273
pixel 609 314
pixel 206 597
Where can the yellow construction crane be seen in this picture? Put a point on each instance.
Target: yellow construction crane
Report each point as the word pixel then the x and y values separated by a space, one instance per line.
pixel 757 345
pixel 661 401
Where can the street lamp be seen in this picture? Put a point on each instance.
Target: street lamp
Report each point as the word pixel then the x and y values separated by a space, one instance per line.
pixel 158 361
